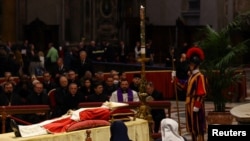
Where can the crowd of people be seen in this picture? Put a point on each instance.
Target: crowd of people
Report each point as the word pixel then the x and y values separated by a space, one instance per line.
pixel 73 79
pixel 70 75
pixel 27 58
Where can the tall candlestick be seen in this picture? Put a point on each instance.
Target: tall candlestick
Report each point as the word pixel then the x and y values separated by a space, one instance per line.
pixel 144 110
pixel 143 58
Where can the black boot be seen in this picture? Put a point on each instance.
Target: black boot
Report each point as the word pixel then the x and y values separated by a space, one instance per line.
pixel 15 128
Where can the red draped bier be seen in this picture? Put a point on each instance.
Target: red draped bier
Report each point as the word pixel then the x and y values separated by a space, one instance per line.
pixel 61 125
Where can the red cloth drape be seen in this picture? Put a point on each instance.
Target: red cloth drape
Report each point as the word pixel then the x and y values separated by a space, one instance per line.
pixel 58 126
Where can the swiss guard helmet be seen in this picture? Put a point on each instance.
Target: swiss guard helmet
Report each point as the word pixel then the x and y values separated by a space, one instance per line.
pixel 195 55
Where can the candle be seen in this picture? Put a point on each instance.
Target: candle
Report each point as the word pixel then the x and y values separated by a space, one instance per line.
pixel 142 26
pixel 142 9
pixel 143 50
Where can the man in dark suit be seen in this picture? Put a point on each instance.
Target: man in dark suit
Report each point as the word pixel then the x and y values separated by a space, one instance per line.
pixel 8 98
pixel 84 64
pixel 59 96
pixel 37 97
pixel 73 97
pixel 157 114
pixel 109 86
pixel 98 95
pixel 135 84
pixel 61 69
pixel 122 52
pixel 72 78
pixel 48 83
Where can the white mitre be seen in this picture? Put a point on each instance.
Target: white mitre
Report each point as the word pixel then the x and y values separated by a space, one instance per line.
pixel 114 105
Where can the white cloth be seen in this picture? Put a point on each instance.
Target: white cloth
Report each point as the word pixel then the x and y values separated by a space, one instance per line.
pixel 173 74
pixel 137 52
pixel 169 130
pixel 195 109
pixel 42 59
pixel 36 129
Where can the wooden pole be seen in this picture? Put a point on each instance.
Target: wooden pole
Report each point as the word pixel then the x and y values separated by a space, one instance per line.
pixel 175 89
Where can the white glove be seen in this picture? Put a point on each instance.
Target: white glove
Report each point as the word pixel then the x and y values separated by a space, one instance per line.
pixel 173 74
pixel 196 109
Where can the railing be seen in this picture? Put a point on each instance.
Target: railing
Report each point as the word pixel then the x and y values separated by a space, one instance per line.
pixel 8 111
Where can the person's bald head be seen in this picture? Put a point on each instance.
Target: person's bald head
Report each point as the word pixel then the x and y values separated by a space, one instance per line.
pixel 63 81
pixel 83 55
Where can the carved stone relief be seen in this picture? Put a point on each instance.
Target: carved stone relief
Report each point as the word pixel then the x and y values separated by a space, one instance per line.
pixel 106 20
